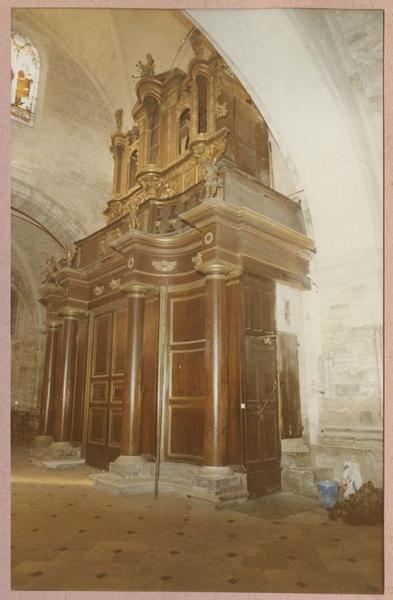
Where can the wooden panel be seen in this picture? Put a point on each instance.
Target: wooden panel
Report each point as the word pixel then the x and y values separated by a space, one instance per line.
pixel 99 392
pixel 259 306
pixel 81 360
pixel 188 319
pixel 117 392
pixel 270 434
pixel 106 387
pixel 261 390
pixel 97 425
pixel 186 377
pixel 150 366
pixel 187 432
pixel 101 347
pixel 186 373
pixel 291 421
pixel 114 428
pixel 253 440
pixel 235 392
pixel 119 341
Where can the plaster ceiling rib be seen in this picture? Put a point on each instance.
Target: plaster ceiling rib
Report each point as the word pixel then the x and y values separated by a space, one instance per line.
pixel 123 65
pixel 40 207
pixel 23 216
pixel 55 37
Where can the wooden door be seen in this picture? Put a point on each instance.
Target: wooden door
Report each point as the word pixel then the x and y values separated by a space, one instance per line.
pixel 185 397
pixel 262 439
pixel 109 330
pixel 288 368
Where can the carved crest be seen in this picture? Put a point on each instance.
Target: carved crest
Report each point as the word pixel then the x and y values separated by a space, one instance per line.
pixel 197 260
pixel 221 110
pixel 98 290
pixel 114 284
pixel 164 266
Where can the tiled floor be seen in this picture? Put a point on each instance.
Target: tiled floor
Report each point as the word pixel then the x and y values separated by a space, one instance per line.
pixel 68 536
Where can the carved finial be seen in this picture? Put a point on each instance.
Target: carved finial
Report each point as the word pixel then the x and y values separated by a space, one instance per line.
pixel 69 254
pixel 119 119
pixel 146 70
pixel 196 42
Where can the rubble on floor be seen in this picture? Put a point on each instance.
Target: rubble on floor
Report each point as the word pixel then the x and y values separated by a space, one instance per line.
pixel 364 507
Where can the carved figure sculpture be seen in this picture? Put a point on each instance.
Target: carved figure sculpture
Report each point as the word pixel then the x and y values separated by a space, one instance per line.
pixel 69 254
pixel 211 179
pixel 133 221
pixel 119 119
pixel 146 70
pixel 51 269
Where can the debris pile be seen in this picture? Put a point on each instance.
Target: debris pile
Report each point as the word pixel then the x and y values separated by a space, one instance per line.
pixel 364 507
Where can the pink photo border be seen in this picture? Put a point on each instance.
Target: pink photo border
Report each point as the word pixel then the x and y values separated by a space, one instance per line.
pixel 5 14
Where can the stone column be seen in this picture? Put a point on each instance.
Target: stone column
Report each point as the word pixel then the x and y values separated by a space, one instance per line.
pixel 130 444
pixel 66 377
pixel 216 424
pixel 49 381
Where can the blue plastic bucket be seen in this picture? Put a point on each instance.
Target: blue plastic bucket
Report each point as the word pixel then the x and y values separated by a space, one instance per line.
pixel 327 491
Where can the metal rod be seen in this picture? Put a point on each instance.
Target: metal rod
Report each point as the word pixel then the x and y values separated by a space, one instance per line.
pixel 160 382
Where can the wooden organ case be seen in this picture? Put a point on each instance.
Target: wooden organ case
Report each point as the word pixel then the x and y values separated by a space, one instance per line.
pixel 161 325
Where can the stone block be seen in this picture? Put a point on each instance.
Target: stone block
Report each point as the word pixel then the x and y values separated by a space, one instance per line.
pixel 131 466
pixel 218 487
pixel 62 464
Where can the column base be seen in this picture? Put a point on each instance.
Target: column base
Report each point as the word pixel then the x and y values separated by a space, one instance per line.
pixel 58 455
pixel 41 441
pixel 218 487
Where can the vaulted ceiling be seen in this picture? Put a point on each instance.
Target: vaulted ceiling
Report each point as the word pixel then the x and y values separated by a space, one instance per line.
pixel 315 75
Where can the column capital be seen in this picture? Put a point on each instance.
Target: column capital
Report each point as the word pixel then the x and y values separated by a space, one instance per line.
pixel 73 313
pixel 53 324
pixel 137 288
pixel 219 269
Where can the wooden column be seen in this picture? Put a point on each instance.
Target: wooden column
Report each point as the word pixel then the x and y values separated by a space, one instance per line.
pixel 49 379
pixel 130 444
pixel 216 423
pixel 66 377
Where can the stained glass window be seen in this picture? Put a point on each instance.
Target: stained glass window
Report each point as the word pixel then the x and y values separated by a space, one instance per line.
pixel 25 71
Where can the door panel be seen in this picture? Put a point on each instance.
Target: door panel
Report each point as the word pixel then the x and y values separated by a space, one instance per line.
pixel 150 375
pixel 262 436
pixel 262 440
pixel 288 368
pixel 185 410
pixel 109 332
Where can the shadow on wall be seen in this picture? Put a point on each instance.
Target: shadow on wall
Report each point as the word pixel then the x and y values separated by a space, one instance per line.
pixel 27 351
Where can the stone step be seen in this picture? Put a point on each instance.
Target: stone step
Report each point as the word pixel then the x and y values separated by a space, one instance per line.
pixel 303 481
pixel 61 463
